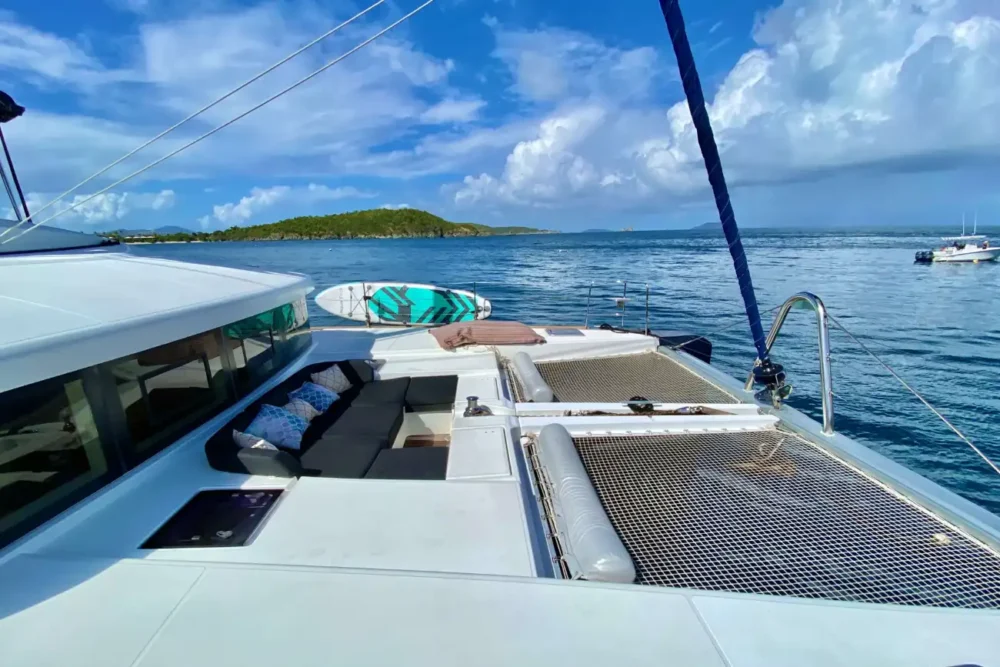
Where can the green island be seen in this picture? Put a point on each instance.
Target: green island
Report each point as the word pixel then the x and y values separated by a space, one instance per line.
pixel 370 224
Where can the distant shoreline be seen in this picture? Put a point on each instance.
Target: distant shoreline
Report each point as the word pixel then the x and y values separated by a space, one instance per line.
pixel 169 239
pixel 369 224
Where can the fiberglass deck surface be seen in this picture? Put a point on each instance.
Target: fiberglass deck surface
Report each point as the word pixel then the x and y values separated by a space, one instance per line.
pixel 620 378
pixel 766 512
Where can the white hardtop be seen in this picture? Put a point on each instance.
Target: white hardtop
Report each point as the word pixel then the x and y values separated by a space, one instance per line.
pixel 67 311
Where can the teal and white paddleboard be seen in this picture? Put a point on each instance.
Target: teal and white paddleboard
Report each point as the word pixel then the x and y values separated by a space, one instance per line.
pixel 405 304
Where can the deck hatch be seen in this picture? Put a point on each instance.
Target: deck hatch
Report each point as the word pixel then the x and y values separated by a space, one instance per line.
pixel 619 378
pixel 769 513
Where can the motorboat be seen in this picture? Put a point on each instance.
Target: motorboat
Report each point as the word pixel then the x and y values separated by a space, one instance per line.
pixel 964 248
pixel 585 495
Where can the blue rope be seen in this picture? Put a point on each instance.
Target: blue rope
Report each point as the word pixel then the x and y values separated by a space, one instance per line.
pixel 713 164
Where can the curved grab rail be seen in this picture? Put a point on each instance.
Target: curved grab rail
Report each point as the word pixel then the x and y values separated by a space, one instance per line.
pixel 825 376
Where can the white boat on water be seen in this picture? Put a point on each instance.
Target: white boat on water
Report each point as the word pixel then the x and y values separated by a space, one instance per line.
pixel 602 497
pixel 964 248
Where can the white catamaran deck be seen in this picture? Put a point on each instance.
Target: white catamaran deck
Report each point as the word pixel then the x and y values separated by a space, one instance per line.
pixel 463 568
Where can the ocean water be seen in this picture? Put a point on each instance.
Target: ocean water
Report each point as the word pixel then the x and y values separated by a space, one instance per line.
pixel 937 325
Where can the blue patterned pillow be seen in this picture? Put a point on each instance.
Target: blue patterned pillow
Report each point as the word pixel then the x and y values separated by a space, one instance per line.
pixel 278 426
pixel 315 395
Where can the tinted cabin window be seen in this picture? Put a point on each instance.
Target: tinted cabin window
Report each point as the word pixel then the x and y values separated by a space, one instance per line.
pixel 168 390
pixel 262 345
pixel 50 453
pixel 297 337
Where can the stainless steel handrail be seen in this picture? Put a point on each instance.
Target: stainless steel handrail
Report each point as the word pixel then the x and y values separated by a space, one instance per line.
pixel 825 376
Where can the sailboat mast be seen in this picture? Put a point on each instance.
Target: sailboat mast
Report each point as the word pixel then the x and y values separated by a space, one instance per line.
pixel 766 371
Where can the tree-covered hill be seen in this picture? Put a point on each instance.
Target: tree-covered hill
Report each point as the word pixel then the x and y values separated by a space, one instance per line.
pixel 374 223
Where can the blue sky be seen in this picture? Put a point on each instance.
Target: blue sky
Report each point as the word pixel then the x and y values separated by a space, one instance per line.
pixel 560 114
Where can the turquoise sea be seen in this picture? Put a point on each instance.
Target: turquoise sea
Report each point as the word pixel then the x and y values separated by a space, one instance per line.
pixel 937 325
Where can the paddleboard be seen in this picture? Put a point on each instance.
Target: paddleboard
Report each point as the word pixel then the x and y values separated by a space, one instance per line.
pixel 404 304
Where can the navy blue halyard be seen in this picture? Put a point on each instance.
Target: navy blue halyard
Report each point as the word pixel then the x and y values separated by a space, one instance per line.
pixel 713 164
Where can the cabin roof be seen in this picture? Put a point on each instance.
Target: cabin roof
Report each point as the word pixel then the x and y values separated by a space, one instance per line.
pixel 67 311
pixel 46 238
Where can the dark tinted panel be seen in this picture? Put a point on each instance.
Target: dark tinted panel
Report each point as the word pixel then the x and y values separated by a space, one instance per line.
pixel 50 453
pixel 169 390
pixel 220 518
pixel 264 344
pixel 297 338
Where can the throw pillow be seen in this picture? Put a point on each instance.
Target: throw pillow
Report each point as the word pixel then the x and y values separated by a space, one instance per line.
pixel 278 426
pixel 300 408
pixel 247 441
pixel 333 379
pixel 319 397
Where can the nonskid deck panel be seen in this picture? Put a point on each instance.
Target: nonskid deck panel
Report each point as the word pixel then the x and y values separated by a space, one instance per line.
pixel 768 513
pixel 616 379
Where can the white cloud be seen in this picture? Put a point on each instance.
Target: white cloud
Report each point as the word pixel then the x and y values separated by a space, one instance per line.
pixel 314 192
pixel 259 199
pixel 545 168
pixel 395 207
pixel 837 84
pixel 162 200
pixel 48 57
pixel 549 65
pixel 104 208
pixel 453 111
pixel 168 68
pixel 377 95
pixel 832 86
pixel 444 152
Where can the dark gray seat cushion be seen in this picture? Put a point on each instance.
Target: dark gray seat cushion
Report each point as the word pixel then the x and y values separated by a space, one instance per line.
pixel 348 456
pixel 435 393
pixel 358 371
pixel 410 463
pixel 382 392
pixel 382 420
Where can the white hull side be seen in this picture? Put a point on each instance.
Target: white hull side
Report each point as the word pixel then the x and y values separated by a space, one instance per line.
pixel 979 255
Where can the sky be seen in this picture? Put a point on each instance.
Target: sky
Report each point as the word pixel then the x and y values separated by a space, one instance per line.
pixel 563 114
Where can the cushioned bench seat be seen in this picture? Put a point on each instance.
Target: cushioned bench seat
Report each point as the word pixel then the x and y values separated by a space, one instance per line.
pixel 348 439
pixel 410 463
pixel 343 455
pixel 383 392
pixel 431 394
pixel 360 420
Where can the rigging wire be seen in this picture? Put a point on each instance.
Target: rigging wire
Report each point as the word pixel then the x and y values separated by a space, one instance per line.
pixel 246 113
pixel 913 391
